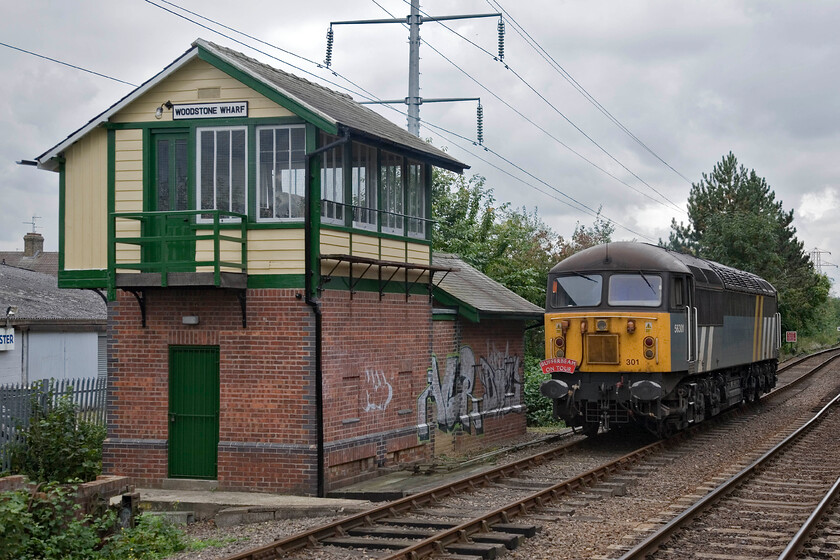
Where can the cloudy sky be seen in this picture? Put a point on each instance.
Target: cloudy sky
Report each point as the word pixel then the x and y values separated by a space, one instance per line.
pixel 691 80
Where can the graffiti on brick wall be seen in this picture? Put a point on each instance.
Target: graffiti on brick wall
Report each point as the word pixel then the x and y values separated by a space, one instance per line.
pixel 378 391
pixel 452 390
pixel 502 389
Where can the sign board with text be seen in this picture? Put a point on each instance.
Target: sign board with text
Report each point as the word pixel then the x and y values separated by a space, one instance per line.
pixel 7 339
pixel 790 336
pixel 558 365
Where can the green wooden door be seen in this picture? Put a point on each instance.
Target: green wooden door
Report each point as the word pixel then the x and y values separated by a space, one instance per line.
pixel 170 165
pixel 193 411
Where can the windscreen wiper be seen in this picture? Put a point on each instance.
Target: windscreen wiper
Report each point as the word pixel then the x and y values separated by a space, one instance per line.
pixel 582 276
pixel 642 274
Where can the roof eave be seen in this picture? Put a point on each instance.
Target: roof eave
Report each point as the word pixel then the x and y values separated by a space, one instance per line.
pixel 436 160
pixel 209 49
pixel 48 161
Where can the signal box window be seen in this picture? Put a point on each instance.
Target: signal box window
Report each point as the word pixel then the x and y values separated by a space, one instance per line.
pixel 222 176
pixel 640 289
pixel 280 172
pixel 583 290
pixel 332 181
pixel 363 179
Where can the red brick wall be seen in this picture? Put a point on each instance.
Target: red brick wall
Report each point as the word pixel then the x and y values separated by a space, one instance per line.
pixel 375 357
pixel 267 421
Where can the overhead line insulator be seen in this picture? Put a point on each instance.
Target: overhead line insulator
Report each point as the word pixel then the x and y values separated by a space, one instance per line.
pixel 330 38
pixel 501 28
pixel 479 123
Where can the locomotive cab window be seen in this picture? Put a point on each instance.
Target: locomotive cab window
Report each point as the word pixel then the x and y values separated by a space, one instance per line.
pixel 639 289
pixel 678 299
pixel 580 290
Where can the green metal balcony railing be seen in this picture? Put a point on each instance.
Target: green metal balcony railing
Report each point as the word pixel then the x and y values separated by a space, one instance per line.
pixel 174 241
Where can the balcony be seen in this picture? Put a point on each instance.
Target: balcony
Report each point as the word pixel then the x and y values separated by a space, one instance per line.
pixel 179 248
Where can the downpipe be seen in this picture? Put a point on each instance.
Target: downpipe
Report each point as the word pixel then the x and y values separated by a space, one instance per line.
pixel 315 304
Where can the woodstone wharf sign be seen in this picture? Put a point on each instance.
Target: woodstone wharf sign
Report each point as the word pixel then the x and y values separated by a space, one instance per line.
pixel 7 339
pixel 210 110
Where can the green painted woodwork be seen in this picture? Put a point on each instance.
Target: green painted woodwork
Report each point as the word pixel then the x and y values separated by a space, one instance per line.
pixel 193 411
pixel 170 191
pixel 160 244
pixel 468 312
pixel 111 175
pixel 78 279
pixel 287 281
pixel 62 177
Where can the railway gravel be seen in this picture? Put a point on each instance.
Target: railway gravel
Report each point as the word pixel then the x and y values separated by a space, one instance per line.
pixel 609 519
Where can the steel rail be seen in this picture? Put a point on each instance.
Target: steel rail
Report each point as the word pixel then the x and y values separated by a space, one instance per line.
pixel 804 533
pixel 656 539
pixel 437 543
pixel 434 545
pixel 796 361
pixel 408 503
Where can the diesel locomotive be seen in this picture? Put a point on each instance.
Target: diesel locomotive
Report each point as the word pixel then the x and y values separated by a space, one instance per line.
pixel 636 333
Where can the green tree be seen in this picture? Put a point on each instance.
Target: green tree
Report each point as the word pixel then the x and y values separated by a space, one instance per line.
pixel 735 219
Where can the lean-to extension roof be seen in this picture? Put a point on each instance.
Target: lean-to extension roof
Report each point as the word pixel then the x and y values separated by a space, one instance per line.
pixel 477 295
pixel 328 109
pixel 39 300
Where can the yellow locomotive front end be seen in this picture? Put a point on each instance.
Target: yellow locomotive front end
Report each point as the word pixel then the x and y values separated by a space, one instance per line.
pixel 617 342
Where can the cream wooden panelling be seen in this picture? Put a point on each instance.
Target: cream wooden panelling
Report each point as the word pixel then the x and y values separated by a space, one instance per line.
pixel 393 250
pixel 86 203
pixel 128 190
pixel 334 242
pixel 183 86
pixel 366 246
pixel 270 251
pixel 418 253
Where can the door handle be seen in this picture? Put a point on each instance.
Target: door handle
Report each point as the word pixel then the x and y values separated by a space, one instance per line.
pixel 171 417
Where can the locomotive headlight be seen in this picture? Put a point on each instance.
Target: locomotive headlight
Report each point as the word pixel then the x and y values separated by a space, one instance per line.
pixel 649 343
pixel 631 326
pixel 559 347
pixel 601 325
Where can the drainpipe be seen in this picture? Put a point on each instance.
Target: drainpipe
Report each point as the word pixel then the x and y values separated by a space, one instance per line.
pixel 315 304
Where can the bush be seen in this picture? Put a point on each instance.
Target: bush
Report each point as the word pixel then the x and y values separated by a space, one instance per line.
pixel 539 408
pixel 46 525
pixel 151 538
pixel 57 446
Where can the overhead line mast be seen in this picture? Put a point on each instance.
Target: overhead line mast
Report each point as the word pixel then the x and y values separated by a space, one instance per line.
pixel 413 21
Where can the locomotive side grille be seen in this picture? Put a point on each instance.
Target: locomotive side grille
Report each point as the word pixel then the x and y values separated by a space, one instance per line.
pixel 602 348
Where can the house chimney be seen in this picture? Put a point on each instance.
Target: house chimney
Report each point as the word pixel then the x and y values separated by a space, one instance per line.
pixel 33 244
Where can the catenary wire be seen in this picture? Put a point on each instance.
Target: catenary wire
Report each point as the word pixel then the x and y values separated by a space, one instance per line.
pixel 673 205
pixel 68 64
pixel 587 208
pixel 440 130
pixel 495 4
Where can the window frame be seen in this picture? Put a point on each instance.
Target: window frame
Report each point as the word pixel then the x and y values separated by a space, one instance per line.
pixel 258 171
pixel 198 169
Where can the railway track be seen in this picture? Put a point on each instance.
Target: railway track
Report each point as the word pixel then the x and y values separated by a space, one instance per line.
pixel 755 513
pixel 432 523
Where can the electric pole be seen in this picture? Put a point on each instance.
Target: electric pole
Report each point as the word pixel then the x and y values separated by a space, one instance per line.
pixel 414 20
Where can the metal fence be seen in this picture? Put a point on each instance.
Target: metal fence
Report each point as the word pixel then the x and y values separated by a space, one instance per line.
pixel 16 405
